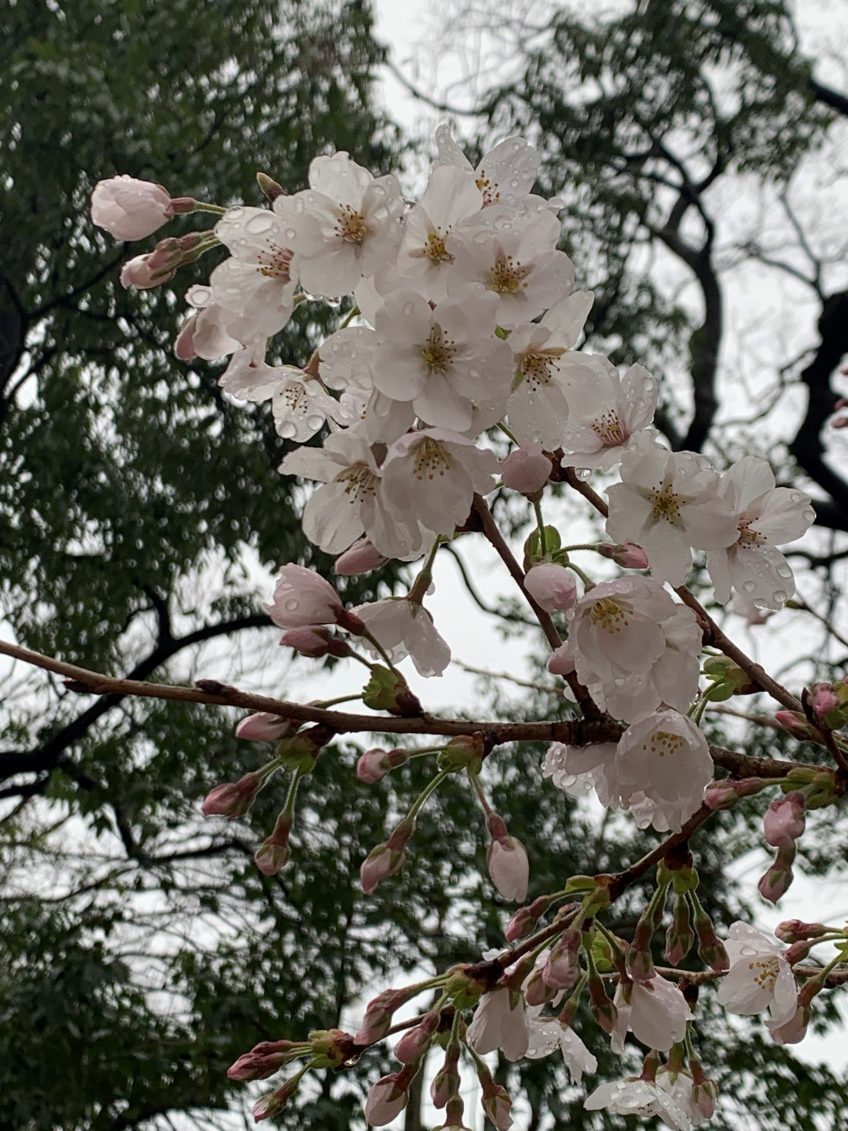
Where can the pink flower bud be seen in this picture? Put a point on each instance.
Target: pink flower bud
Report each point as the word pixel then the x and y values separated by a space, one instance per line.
pixel 380 863
pixel 823 699
pixel 551 586
pixel 273 852
pixel 232 799
pixel 562 968
pixel 143 274
pixel 509 867
pixel 386 1100
pixel 795 930
pixel 302 598
pixel 379 1013
pixel 725 793
pixel 793 1031
pixel 415 1042
pixel 263 1060
pixel 796 725
pixel 262 727
pixel 526 470
pixel 525 918
pixel 778 879
pixel 536 990
pixel 374 764
pixel 362 557
pixel 129 209
pixel 561 661
pixel 274 1102
pixel 784 821
pixel 309 640
pixel 630 556
pixel 497 1105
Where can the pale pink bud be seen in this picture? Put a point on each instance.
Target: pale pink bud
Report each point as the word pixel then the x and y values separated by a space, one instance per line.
pixel 777 880
pixel 509 867
pixel 380 863
pixel 497 1105
pixel 262 727
pixel 525 918
pixel 374 764
pixel 784 821
pixel 362 557
pixel 263 1060
pixel 386 1100
pixel 795 724
pixel 415 1042
pixel 142 274
pixel 129 209
pixel 823 699
pixel 309 640
pixel 302 598
pixel 561 661
pixel 796 930
pixel 630 556
pixel 232 799
pixel 551 586
pixel 562 968
pixel 274 1102
pixel 271 858
pixel 526 470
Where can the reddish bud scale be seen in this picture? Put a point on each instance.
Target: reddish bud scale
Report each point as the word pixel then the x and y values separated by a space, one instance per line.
pixel 416 1041
pixel 710 947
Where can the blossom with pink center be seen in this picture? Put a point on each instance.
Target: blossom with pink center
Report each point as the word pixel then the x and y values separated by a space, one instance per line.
pixel 552 586
pixel 634 647
pixel 526 469
pixel 303 597
pixel 130 209
pixel 512 253
pixel 605 411
pixel 431 476
pixel 547 1034
pixel 500 1022
pixel 669 503
pixel 765 515
pixel 505 173
pixel 759 978
pixel 344 226
pixel 423 263
pixel 404 628
pixel 643 1098
pixel 655 1012
pixel 352 500
pixel 442 360
pixel 256 282
pixel 537 409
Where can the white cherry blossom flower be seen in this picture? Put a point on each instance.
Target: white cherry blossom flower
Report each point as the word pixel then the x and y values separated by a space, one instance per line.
pixel 351 502
pixel 759 978
pixel 668 503
pixel 344 226
pixel 605 411
pixel 442 360
pixel 634 1096
pixel 255 283
pixel 765 515
pixel 538 406
pixel 655 1012
pixel 500 1022
pixel 512 254
pixel 547 1034
pixel 665 757
pixel 405 628
pixel 507 171
pixel 431 477
pixel 423 262
pixel 634 647
pixel 130 209
pixel 211 331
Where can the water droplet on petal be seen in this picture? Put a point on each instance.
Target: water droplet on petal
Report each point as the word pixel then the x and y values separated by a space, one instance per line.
pixel 583 473
pixel 749 586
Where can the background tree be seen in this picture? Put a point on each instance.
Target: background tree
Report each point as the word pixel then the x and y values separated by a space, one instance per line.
pixel 139 501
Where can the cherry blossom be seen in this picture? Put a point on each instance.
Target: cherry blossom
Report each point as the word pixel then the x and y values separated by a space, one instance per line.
pixel 303 597
pixel 255 283
pixel 500 1022
pixel 441 360
pixel 547 1034
pixel 605 411
pixel 765 515
pixel 759 978
pixel 507 171
pixel 655 1012
pixel 668 503
pixel 344 226
pixel 404 629
pixel 526 469
pixel 431 476
pixel 552 586
pixel 634 1096
pixel 509 867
